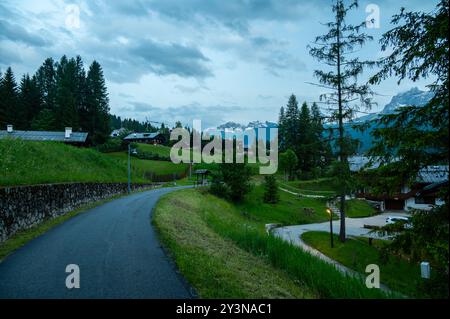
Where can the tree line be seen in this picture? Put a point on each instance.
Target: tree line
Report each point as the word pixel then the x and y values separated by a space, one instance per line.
pixel 304 149
pixel 60 94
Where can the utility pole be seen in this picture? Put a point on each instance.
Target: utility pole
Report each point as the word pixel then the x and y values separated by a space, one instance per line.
pixel 129 167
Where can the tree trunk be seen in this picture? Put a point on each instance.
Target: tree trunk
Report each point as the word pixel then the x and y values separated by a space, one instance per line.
pixel 342 158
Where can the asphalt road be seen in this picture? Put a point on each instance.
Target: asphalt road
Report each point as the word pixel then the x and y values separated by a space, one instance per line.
pixel 115 247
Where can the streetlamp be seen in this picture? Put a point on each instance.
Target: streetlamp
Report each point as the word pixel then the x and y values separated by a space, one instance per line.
pixel 330 212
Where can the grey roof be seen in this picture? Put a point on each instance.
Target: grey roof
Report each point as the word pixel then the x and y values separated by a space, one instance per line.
pixel 433 174
pixel 141 136
pixel 356 163
pixel 75 137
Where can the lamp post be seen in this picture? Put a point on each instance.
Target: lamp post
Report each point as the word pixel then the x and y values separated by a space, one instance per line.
pixel 330 212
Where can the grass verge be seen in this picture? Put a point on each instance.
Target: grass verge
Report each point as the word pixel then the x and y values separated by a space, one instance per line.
pixel 398 274
pixel 224 254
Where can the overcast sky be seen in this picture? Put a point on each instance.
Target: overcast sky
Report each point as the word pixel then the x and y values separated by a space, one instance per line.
pixel 168 60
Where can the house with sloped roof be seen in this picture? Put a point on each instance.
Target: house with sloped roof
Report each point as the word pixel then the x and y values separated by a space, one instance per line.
pixel 147 138
pixel 423 194
pixel 66 136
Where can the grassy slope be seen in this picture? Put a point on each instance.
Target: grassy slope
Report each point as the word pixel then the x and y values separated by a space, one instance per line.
pixel 355 208
pixel 27 162
pixel 154 149
pixel 397 273
pixel 225 254
pixel 139 167
pixel 288 211
pixel 359 208
pixel 213 265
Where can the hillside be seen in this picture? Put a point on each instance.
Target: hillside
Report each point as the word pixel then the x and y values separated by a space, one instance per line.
pixel 27 162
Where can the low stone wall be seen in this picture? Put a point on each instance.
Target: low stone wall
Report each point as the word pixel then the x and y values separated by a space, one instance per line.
pixel 23 207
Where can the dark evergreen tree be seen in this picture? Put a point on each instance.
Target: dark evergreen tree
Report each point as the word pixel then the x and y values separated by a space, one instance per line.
pixel 236 177
pixel 46 82
pixel 416 137
pixel 305 145
pixel 30 102
pixel 8 100
pixel 97 105
pixel 336 49
pixel 271 195
pixel 282 131
pixel 66 90
pixel 291 124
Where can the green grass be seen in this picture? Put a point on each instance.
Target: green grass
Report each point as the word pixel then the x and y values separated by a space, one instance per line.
pixel 224 254
pixel 22 237
pixel 398 274
pixel 30 162
pixel 359 208
pixel 140 167
pixel 215 266
pixel 154 149
pixel 288 211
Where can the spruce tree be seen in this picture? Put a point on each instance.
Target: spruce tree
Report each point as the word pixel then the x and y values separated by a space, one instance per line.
pixel 8 100
pixel 30 101
pixel 282 131
pixel 97 105
pixel 271 195
pixel 336 50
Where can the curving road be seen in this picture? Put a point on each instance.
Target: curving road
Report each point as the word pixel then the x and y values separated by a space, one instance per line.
pixel 115 247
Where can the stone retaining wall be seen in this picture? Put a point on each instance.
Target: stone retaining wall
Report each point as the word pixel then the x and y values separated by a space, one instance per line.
pixel 23 207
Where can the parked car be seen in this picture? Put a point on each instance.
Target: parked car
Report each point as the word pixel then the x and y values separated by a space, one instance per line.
pixel 406 221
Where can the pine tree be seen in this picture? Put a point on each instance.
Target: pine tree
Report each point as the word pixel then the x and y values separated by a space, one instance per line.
pixel 282 130
pixel 46 82
pixel 30 102
pixel 335 49
pixel 291 124
pixel 66 105
pixel 305 142
pixel 97 105
pixel 8 99
pixel 271 195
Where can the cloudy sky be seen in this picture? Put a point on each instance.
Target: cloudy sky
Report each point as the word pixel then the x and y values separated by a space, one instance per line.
pixel 168 60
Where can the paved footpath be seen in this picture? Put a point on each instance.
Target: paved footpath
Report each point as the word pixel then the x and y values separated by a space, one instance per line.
pixel 114 245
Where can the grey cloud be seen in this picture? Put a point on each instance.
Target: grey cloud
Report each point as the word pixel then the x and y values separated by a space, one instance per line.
pixel 172 58
pixel 233 14
pixel 15 32
pixel 209 115
pixel 8 56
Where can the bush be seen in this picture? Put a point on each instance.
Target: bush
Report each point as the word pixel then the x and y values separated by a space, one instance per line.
pixel 112 145
pixel 271 195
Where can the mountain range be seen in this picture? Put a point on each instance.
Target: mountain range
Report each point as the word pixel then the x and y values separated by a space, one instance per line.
pixel 414 96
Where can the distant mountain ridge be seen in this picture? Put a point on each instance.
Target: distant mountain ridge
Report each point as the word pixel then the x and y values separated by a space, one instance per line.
pixel 252 124
pixel 412 97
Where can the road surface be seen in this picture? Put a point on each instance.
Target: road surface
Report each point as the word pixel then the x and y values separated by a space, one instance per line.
pixel 115 247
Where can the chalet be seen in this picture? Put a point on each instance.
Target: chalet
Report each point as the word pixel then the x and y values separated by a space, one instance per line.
pixel 69 137
pixel 148 138
pixel 423 194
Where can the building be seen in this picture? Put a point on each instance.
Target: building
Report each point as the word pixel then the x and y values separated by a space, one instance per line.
pixel 147 138
pixel 423 194
pixel 67 136
pixel 118 132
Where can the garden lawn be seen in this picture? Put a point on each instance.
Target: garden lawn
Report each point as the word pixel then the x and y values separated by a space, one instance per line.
pixel 398 274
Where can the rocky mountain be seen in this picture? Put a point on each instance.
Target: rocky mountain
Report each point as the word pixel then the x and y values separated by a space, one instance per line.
pixel 413 96
pixel 252 124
